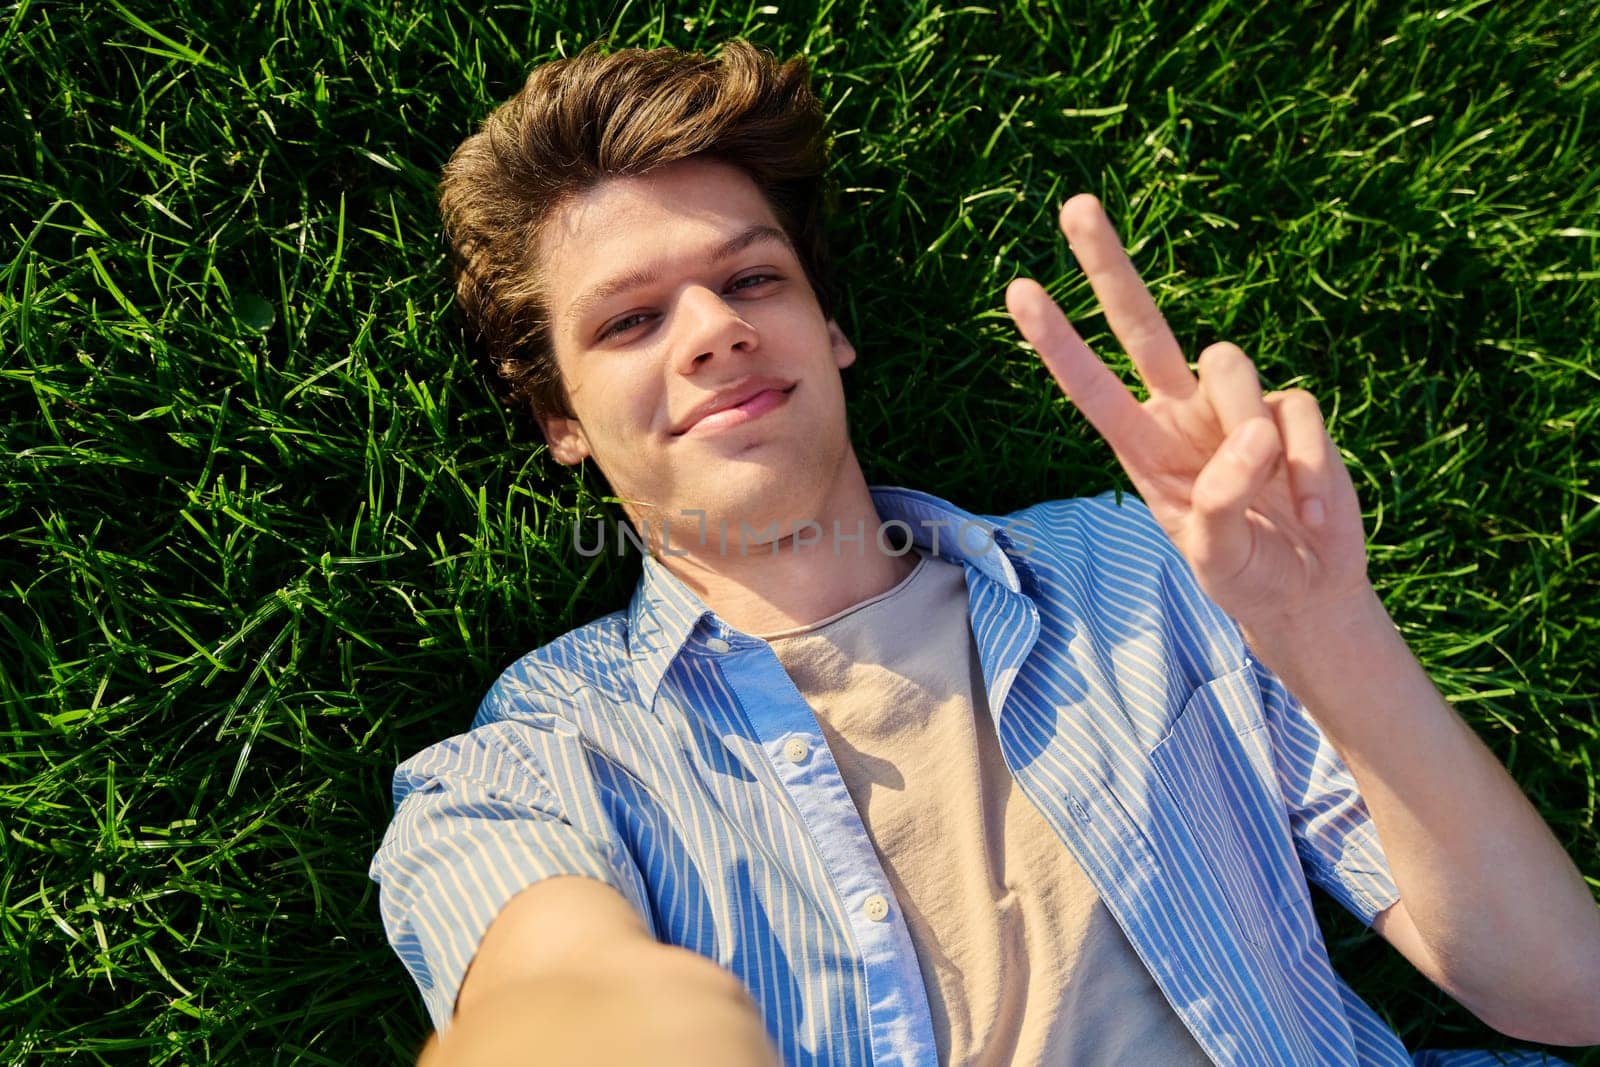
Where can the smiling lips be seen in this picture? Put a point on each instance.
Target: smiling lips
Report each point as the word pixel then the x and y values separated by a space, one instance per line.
pixel 743 406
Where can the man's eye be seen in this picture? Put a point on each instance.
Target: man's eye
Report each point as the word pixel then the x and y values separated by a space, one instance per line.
pixel 625 323
pixel 754 278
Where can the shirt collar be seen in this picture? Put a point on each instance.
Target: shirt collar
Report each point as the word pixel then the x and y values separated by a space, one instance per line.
pixel 665 615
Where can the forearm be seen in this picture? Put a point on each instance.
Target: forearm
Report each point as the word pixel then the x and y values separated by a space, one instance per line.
pixel 1508 920
pixel 666 1007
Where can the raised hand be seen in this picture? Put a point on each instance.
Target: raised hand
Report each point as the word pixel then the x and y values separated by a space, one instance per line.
pixel 1250 488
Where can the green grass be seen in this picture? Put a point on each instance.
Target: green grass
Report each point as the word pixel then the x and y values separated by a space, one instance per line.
pixel 266 534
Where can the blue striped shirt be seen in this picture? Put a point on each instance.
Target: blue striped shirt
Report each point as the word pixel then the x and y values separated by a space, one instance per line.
pixel 647 749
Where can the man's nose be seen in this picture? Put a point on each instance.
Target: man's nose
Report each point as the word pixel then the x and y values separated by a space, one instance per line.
pixel 710 328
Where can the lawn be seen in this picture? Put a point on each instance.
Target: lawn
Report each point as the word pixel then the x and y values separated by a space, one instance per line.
pixel 267 534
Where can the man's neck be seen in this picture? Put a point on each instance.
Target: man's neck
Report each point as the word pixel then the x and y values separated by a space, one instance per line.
pixel 797 580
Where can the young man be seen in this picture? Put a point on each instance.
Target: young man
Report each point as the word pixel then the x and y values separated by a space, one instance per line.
pixel 861 777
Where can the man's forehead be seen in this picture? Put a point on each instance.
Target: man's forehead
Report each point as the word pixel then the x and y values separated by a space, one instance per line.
pixel 691 193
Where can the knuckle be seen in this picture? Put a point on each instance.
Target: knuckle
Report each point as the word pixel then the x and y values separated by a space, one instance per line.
pixel 1207 501
pixel 1147 332
pixel 1206 557
pixel 1094 392
pixel 1301 398
pixel 1222 352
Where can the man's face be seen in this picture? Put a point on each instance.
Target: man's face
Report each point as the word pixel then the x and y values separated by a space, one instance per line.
pixel 677 291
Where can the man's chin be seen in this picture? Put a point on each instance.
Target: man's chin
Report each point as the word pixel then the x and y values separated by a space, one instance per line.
pixel 763 508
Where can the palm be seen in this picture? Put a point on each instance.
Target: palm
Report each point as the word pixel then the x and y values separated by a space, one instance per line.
pixel 1243 526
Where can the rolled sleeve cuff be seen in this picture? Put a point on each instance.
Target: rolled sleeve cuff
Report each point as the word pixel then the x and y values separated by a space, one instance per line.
pixel 1359 878
pixel 461 845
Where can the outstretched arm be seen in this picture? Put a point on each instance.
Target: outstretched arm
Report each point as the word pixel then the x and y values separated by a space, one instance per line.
pixel 569 975
pixel 1252 491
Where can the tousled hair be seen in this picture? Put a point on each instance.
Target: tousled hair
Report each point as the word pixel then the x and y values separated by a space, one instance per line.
pixel 578 121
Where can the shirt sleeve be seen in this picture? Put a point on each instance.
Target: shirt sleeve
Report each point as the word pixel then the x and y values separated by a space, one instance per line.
pixel 1334 834
pixel 478 818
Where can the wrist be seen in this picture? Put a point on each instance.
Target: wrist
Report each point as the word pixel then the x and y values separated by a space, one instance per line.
pixel 1349 616
pixel 1319 643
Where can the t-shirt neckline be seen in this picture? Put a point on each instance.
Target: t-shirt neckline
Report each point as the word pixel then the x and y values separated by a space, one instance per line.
pixel 813 627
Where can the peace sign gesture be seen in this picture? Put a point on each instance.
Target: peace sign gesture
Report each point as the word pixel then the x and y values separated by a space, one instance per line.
pixel 1250 488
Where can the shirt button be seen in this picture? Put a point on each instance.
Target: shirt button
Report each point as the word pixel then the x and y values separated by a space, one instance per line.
pixel 876 908
pixel 717 644
pixel 796 750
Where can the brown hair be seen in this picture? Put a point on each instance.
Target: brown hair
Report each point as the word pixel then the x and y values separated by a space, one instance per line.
pixel 577 121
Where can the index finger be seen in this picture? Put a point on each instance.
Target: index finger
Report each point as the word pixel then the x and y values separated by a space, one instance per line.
pixel 1129 307
pixel 1088 383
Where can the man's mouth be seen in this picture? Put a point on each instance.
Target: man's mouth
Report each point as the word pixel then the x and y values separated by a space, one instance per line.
pixel 747 410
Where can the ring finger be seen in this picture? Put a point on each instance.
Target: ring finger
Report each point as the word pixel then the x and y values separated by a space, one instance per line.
pixel 1229 382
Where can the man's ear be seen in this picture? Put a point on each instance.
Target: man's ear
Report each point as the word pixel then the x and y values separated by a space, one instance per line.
pixel 566 439
pixel 844 353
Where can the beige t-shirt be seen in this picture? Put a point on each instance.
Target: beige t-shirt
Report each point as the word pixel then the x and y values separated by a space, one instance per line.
pixel 1022 962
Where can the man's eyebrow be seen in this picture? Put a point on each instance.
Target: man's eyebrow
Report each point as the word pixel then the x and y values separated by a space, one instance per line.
pixel 640 277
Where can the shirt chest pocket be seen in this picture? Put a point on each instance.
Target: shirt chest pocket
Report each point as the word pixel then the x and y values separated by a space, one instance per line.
pixel 1216 768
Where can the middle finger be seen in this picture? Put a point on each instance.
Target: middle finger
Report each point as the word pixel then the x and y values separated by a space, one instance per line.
pixel 1129 307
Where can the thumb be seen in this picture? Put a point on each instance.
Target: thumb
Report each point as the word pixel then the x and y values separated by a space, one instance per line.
pixel 1219 534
